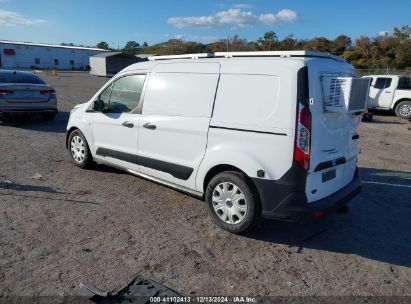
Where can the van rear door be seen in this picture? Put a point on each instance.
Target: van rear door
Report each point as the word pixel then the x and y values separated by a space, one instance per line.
pixel 334 135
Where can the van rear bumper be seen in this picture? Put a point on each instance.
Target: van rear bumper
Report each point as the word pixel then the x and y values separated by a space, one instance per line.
pixel 295 207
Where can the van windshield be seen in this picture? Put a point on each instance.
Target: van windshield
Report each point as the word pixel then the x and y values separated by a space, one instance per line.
pixel 404 83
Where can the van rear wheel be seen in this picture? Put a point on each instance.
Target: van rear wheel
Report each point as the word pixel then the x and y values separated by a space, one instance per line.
pixel 403 109
pixel 232 202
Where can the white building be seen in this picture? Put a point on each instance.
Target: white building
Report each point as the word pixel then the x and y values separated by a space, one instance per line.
pixel 26 55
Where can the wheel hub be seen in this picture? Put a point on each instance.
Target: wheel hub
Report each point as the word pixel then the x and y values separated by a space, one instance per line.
pixel 405 110
pixel 229 203
pixel 78 149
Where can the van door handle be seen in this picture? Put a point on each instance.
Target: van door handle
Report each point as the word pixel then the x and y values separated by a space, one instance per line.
pixel 356 136
pixel 128 124
pixel 149 126
pixel 387 91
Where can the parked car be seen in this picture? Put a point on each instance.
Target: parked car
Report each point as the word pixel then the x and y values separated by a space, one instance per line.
pixel 254 134
pixel 25 92
pixel 391 92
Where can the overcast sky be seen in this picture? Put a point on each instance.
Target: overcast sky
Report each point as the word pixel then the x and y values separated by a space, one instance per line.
pixel 90 21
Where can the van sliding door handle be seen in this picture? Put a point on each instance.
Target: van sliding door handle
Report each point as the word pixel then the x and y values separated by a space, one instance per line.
pixel 128 124
pixel 149 126
pixel 356 136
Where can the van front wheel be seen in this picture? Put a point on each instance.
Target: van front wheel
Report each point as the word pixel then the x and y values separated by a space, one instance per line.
pixel 78 149
pixel 232 203
pixel 403 109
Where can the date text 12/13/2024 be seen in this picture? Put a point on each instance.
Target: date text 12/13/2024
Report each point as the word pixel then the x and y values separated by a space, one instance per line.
pixel 202 299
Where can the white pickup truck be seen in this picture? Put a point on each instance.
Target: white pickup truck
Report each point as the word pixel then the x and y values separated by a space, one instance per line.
pixel 391 92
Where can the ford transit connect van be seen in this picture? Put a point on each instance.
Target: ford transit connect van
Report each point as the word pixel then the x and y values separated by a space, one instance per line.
pixel 256 134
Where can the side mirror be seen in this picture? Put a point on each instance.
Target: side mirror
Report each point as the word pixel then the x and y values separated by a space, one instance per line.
pixel 99 106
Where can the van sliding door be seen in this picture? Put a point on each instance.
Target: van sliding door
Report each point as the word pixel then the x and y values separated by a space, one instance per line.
pixel 176 114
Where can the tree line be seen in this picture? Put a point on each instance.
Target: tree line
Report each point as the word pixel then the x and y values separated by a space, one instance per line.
pixel 380 52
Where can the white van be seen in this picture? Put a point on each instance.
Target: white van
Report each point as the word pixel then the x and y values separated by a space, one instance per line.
pixel 256 134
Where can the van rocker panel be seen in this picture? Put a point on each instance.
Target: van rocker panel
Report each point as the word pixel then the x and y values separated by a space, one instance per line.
pixel 178 171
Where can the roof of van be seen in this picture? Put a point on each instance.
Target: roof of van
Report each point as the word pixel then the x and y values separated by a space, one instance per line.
pixel 230 59
pixel 282 54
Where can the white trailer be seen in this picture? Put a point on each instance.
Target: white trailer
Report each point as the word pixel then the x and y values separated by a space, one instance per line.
pixel 109 64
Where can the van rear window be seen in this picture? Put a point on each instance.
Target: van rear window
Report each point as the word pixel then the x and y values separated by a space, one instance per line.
pixel 10 77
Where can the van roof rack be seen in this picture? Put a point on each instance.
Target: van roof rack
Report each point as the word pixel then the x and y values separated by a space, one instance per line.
pixel 282 54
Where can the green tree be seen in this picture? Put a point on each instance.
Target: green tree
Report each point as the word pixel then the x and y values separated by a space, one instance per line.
pixel 403 33
pixel 386 51
pixel 341 43
pixel 268 41
pixel 319 44
pixel 175 47
pixel 289 43
pixel 363 46
pixel 403 56
pixel 132 48
pixel 103 45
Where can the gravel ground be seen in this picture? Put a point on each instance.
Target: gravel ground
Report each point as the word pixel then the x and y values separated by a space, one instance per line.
pixel 60 225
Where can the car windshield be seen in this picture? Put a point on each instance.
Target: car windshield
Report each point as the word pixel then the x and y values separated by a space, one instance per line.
pixel 404 83
pixel 11 77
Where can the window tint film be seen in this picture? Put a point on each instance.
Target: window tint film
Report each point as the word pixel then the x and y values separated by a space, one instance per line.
pixel 404 83
pixel 125 93
pixel 382 83
pixel 10 77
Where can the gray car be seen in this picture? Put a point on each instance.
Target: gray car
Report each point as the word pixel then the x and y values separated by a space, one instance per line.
pixel 25 92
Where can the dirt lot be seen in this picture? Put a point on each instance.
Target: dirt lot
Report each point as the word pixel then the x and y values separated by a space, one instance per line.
pixel 60 225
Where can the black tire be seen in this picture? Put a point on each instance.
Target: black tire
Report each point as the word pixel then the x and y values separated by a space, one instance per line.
pixel 49 116
pixel 252 215
pixel 403 109
pixel 82 162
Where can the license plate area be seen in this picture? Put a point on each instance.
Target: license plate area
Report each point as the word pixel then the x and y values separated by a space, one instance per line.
pixel 25 94
pixel 328 175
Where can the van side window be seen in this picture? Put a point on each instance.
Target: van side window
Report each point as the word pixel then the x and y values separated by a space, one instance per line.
pixel 382 83
pixel 123 95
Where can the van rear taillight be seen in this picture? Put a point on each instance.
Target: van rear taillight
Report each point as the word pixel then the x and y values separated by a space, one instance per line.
pixel 6 92
pixel 303 136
